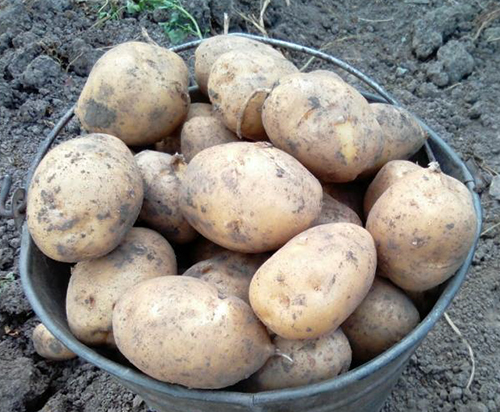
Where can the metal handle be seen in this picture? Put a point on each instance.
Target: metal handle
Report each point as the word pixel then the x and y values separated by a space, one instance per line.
pixel 17 207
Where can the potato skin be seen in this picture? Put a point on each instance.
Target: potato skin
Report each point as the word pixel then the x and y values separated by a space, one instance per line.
pixel 423 226
pixel 203 249
pixel 249 197
pixel 314 282
pixel 137 92
pixel 212 48
pixel 96 285
pixel 200 133
pixel 390 173
pixel 48 346
pixel 349 194
pixel 325 123
pixel 84 197
pixel 178 329
pixel 162 176
pixel 335 212
pixel 314 360
pixel 384 317
pixel 237 88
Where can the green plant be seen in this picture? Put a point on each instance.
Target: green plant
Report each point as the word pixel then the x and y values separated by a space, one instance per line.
pixel 110 10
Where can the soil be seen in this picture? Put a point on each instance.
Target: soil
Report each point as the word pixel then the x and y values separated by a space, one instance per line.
pixel 440 58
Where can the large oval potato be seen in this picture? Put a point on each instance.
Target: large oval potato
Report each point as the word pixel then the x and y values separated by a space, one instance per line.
pixel 335 212
pixel 212 48
pixel 95 285
pixel 179 329
pixel 314 360
pixel 249 197
pixel 325 123
pixel 84 197
pixel 162 174
pixel 384 317
pixel 238 85
pixel 314 282
pixel 137 92
pixel 424 226
pixel 48 346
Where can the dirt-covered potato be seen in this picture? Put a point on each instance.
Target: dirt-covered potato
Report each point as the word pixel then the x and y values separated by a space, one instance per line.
pixel 84 197
pixel 314 360
pixel 203 249
pixel 230 272
pixel 201 133
pixel 314 282
pixel 137 92
pixel 179 329
pixel 349 194
pixel 238 85
pixel 425 300
pixel 388 175
pixel 249 197
pixel 212 48
pixel 48 346
pixel 95 285
pixel 335 212
pixel 325 123
pixel 424 226
pixel 384 317
pixel 162 174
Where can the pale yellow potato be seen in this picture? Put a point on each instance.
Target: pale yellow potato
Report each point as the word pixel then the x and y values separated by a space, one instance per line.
pixel 84 197
pixel 200 133
pixel 334 211
pixel 179 329
pixel 349 194
pixel 95 285
pixel 48 346
pixel 424 226
pixel 137 92
pixel 162 175
pixel 212 48
pixel 325 123
pixel 390 173
pixel 314 360
pixel 314 282
pixel 249 197
pixel 238 85
pixel 384 317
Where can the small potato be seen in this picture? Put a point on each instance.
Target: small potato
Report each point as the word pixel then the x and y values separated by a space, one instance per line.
pixel 201 133
pixel 424 226
pixel 314 360
pixel 335 212
pixel 388 175
pixel 349 194
pixel 249 197
pixel 238 85
pixel 325 123
pixel 314 282
pixel 95 285
pixel 179 329
pixel 384 317
pixel 229 272
pixel 162 176
pixel 137 92
pixel 48 346
pixel 212 48
pixel 424 301
pixel 203 249
pixel 84 197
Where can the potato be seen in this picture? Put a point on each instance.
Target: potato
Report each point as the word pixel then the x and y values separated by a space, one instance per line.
pixel 314 360
pixel 48 346
pixel 137 92
pixel 95 285
pixel 203 249
pixel 179 329
pixel 424 226
pixel 162 176
pixel 425 300
pixel 314 282
pixel 249 197
pixel 349 194
pixel 84 197
pixel 212 48
pixel 325 123
pixel 201 133
pixel 388 175
pixel 229 272
pixel 238 85
pixel 335 212
pixel 384 317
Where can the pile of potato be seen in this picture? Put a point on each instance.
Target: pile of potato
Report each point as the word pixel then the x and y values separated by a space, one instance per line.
pixel 305 240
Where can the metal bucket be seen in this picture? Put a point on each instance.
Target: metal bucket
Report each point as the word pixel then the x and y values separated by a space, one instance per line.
pixel 363 389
